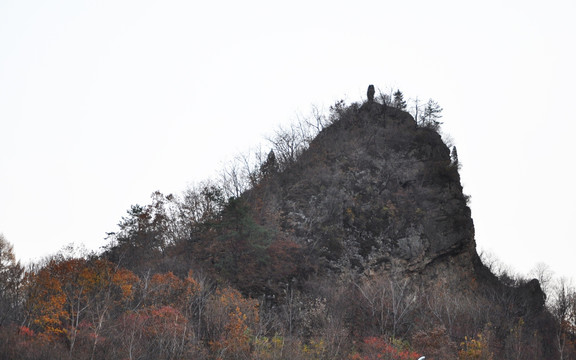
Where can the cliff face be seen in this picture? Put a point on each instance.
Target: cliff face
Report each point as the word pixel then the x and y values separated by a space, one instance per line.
pixel 374 191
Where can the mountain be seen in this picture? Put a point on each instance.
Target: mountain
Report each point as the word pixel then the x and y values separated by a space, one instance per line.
pixel 377 196
pixel 374 191
pixel 351 240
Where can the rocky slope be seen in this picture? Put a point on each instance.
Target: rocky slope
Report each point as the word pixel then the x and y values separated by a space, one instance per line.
pixel 375 193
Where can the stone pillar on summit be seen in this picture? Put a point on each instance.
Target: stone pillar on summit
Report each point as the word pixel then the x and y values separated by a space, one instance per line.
pixel 370 93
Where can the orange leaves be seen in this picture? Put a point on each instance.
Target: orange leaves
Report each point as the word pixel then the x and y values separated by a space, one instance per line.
pixel 125 281
pixel 378 348
pixel 435 343
pixel 168 279
pixel 168 289
pixel 63 291
pixel 46 302
pixel 165 288
pixel 231 300
pixel 165 322
pixel 192 286
pixel 228 296
pixel 237 335
pixel 475 348
pixel 236 320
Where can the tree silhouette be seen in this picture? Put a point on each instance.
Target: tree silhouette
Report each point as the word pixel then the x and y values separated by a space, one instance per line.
pixel 399 101
pixel 432 112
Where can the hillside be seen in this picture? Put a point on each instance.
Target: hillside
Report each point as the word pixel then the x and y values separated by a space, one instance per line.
pixel 374 191
pixel 354 243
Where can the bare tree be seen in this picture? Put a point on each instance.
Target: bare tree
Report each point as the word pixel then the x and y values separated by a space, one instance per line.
pixel 289 143
pixel 564 311
pixel 11 273
pixel 416 108
pixel 544 274
pixel 390 300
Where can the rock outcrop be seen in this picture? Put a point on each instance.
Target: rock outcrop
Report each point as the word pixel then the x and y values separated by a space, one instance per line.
pixel 370 93
pixel 374 192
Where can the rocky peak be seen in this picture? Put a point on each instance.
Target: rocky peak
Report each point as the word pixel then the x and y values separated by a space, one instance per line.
pixel 374 190
pixel 375 193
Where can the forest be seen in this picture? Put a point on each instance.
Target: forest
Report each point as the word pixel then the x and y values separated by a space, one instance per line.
pixel 233 268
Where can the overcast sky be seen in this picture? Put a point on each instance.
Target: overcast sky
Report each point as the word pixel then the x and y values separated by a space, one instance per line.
pixel 104 102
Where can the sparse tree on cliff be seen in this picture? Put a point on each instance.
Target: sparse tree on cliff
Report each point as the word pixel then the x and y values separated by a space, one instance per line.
pixel 416 109
pixel 269 166
pixel 432 112
pixel 399 101
pixel 544 274
pixel 454 156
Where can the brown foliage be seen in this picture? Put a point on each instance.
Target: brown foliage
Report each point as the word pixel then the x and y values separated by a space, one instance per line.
pixel 435 343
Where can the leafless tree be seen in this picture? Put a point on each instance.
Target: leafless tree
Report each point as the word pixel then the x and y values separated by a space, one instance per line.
pixel 391 300
pixel 564 311
pixel 11 273
pixel 544 274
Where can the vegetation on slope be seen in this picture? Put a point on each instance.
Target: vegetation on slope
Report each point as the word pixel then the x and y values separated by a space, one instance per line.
pixel 274 261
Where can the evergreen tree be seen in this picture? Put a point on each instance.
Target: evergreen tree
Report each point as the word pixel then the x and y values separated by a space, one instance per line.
pixel 432 112
pixel 455 157
pixel 269 166
pixel 399 101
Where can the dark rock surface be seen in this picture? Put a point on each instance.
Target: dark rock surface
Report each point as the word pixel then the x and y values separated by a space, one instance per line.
pixel 374 189
pixel 371 93
pixel 376 193
pixel 377 199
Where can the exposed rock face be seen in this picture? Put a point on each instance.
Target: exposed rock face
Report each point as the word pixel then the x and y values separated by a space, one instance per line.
pixel 374 191
pixel 375 194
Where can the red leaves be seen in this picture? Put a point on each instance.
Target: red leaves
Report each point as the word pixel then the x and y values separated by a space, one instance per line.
pixel 26 332
pixel 377 348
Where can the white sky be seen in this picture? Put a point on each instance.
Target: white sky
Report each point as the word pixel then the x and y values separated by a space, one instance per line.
pixel 104 102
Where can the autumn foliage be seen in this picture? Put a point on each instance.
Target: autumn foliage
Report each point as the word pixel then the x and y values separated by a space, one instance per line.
pixel 287 259
pixel 377 348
